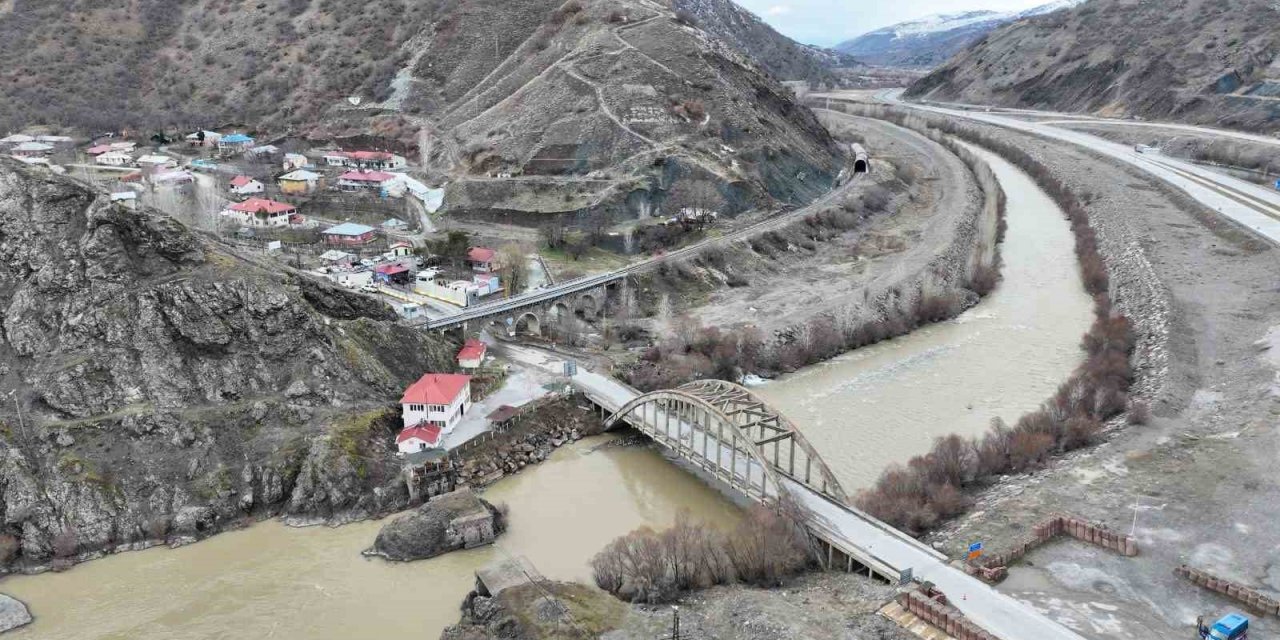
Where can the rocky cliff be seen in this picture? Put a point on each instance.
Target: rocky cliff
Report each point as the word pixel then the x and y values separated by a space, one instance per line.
pixel 163 387
pixel 1198 61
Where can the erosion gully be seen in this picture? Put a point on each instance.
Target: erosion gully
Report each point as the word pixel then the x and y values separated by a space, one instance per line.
pixel 863 411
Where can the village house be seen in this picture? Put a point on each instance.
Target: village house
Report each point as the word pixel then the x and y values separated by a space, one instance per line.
pixel 349 234
pixel 157 162
pixel 458 292
pixel 400 249
pixel 437 400
pixel 98 150
pixel 244 185
pixel 294 161
pixel 482 259
pixel 260 212
pixel 126 147
pixel 394 224
pixel 204 139
pixel 17 138
pixel 114 159
pixel 299 182
pixel 393 273
pixel 127 199
pixel 380 182
pixel 234 143
pixel 171 177
pixel 31 149
pixel 264 150
pixel 472 354
pixel 418 438
pixel 378 160
pixel 337 257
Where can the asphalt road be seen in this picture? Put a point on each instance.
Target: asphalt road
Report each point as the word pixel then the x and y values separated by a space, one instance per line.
pixel 1249 205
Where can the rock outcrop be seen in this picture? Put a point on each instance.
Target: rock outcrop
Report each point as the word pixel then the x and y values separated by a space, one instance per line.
pixel 449 522
pixel 13 614
pixel 166 388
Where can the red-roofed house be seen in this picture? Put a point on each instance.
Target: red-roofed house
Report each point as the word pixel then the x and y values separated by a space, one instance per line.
pixel 365 160
pixel 472 354
pixel 482 259
pixel 438 399
pixel 244 185
pixel 99 150
pixel 260 212
pixel 383 183
pixel 418 438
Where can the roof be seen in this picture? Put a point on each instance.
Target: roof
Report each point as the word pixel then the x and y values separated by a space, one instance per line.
pixel 390 269
pixel 301 175
pixel 365 156
pixel 427 433
pixel 394 223
pixel 236 138
pixel 33 146
pixel 333 255
pixel 16 138
pixel 473 349
pixel 123 195
pixel 1231 623
pixel 102 148
pixel 503 414
pixel 348 229
pixel 254 205
pixel 171 176
pixel 435 388
pixel 367 176
pixel 426 456
pixel 481 254
pixel 153 159
pixel 239 181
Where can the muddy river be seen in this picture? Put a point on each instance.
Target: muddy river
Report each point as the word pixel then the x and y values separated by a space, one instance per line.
pixel 884 404
pixel 273 581
pixel 863 411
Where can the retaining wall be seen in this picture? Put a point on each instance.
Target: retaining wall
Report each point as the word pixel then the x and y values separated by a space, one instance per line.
pixel 994 567
pixel 931 606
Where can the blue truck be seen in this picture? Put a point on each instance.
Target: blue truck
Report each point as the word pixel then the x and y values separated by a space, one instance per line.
pixel 1232 626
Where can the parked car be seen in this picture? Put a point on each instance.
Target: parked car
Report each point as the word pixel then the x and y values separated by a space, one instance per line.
pixel 368 288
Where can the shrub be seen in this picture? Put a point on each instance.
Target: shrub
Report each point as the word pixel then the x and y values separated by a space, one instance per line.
pixel 65 544
pixel 686 18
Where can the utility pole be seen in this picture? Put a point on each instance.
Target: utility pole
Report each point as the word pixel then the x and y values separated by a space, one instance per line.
pixel 675 622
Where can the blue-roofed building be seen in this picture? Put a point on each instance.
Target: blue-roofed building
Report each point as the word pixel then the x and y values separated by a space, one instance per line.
pixel 236 142
pixel 349 234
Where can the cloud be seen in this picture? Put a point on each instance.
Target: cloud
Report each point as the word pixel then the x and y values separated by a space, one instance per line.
pixel 778 10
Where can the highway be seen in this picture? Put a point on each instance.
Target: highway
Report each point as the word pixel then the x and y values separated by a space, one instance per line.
pixel 1249 205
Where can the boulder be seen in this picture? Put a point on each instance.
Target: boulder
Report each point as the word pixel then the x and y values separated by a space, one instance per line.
pixel 448 522
pixel 13 613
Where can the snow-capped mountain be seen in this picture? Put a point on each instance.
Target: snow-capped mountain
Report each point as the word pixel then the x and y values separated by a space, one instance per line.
pixel 929 41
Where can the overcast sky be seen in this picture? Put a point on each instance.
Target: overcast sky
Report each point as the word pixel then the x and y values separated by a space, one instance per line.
pixel 827 22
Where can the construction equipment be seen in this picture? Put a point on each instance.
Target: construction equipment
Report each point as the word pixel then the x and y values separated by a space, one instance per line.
pixel 1232 626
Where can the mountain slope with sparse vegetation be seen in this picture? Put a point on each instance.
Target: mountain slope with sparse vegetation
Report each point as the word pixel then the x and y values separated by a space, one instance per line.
pixel 1200 61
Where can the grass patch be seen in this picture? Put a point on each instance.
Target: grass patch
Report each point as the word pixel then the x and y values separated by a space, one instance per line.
pixel 590 612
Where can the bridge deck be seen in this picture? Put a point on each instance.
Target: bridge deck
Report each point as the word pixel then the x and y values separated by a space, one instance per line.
pixel 881 548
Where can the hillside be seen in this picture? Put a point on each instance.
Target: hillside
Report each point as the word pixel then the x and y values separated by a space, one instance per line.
pixel 778 54
pixel 547 87
pixel 930 41
pixel 1201 61
pixel 163 384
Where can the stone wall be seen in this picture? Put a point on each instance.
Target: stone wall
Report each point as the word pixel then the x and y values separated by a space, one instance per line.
pixel 1233 590
pixel 931 606
pixel 994 567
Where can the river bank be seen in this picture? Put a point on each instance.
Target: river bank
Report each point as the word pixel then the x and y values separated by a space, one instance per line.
pixel 313 582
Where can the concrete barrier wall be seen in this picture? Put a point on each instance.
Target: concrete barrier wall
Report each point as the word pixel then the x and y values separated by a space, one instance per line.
pixel 935 611
pixel 994 567
pixel 1236 591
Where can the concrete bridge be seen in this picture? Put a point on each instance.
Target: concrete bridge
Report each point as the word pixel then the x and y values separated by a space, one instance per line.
pixel 531 312
pixel 731 436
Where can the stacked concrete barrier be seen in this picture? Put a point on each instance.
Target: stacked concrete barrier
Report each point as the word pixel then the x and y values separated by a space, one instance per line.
pixel 994 567
pixel 936 612
pixel 1234 590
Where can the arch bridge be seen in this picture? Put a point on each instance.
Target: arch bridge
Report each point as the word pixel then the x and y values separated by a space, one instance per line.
pixel 729 432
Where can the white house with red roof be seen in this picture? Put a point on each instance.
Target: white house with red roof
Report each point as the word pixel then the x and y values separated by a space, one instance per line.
pixel 472 354
pixel 436 400
pixel 482 259
pixel 419 438
pixel 244 185
pixel 261 212
pixel 380 182
pixel 380 160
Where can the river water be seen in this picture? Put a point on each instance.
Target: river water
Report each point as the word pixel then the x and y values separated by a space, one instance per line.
pixel 884 404
pixel 863 411
pixel 275 581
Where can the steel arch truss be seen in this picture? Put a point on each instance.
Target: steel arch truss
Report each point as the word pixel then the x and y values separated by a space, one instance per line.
pixel 733 434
